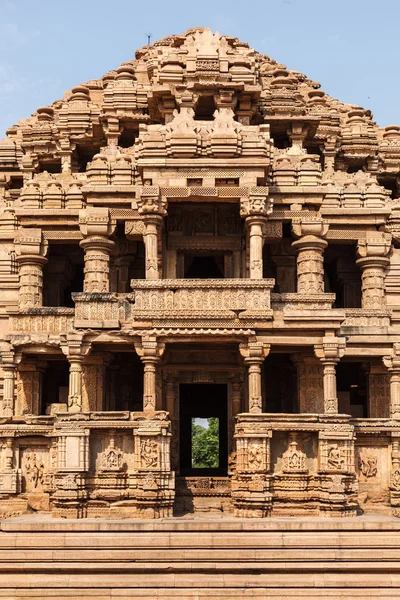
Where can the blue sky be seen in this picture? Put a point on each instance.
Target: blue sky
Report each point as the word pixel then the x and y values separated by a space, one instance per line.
pixel 350 46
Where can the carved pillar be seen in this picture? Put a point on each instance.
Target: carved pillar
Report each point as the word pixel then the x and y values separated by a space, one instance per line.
pixel 94 381
pixel 392 363
pixel 310 247
pixel 254 354
pixel 9 363
pixel 255 210
pixel 150 352
pixel 31 249
pixel 309 383
pixel 29 387
pixel 75 349
pixel 96 227
pixel 330 352
pixel 153 207
pixel 373 254
pixel 236 398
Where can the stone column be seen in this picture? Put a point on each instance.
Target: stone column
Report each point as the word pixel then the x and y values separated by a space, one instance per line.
pixel 9 363
pixel 150 352
pixel 254 354
pixel 310 246
pixel 255 210
pixel 31 251
pixel 153 207
pixel 96 227
pixel 75 348
pixel 330 352
pixel 373 259
pixel 392 363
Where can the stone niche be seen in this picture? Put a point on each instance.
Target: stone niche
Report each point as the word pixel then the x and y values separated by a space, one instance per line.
pixel 372 462
pixel 294 464
pixel 36 460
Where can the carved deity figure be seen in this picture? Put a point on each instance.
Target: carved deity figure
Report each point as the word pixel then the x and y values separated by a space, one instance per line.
pixel 368 464
pixel 34 470
pixel 149 452
pixel 255 456
pixel 294 460
pixel 335 458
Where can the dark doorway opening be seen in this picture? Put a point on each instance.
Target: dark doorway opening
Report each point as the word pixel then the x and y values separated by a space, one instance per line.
pixel 206 405
pixel 55 384
pixel 352 386
pixel 124 385
pixel 204 267
pixel 280 383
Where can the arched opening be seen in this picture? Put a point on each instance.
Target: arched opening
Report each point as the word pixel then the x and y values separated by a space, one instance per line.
pixel 205 108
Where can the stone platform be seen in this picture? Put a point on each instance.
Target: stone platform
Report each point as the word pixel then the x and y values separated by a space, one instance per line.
pixel 198 558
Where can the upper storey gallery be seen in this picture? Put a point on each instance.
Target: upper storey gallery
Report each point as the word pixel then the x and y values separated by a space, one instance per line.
pixel 199 138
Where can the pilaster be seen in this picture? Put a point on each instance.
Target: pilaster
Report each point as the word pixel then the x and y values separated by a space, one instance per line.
pixel 392 362
pixel 153 207
pixel 150 352
pixel 255 210
pixel 9 362
pixel 330 352
pixel 76 349
pixel 254 354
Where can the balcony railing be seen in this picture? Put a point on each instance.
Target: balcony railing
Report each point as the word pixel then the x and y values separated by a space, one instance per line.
pixel 97 310
pixel 202 302
pixel 45 319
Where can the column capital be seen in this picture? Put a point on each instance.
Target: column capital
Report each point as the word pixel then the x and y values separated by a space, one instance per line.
pixel 331 350
pixel 97 222
pixel 10 358
pixel 30 245
pixel 310 233
pixel 150 349
pixel 377 244
pixel 254 352
pixel 256 204
pixel 75 347
pixel 151 203
pixel 315 227
pixel 392 361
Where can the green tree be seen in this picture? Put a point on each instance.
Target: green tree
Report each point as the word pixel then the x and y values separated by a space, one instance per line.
pixel 205 444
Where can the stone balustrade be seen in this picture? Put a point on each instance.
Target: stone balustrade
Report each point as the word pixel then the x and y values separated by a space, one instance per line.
pixel 100 310
pixel 193 299
pixel 364 317
pixel 46 319
pixel 304 302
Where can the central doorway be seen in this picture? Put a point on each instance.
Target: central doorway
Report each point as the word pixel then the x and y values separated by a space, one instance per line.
pixel 203 416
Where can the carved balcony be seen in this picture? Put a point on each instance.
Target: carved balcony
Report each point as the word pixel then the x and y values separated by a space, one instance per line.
pixel 298 310
pixel 200 303
pixel 359 318
pixel 96 310
pixel 42 320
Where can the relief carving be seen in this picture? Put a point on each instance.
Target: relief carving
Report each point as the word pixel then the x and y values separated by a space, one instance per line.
pixel 335 458
pixel 149 453
pixel 294 460
pixel 368 464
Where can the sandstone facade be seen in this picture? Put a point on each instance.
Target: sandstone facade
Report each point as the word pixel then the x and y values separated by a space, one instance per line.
pixel 200 233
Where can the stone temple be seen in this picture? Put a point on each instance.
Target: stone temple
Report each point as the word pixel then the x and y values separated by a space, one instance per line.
pixel 200 233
